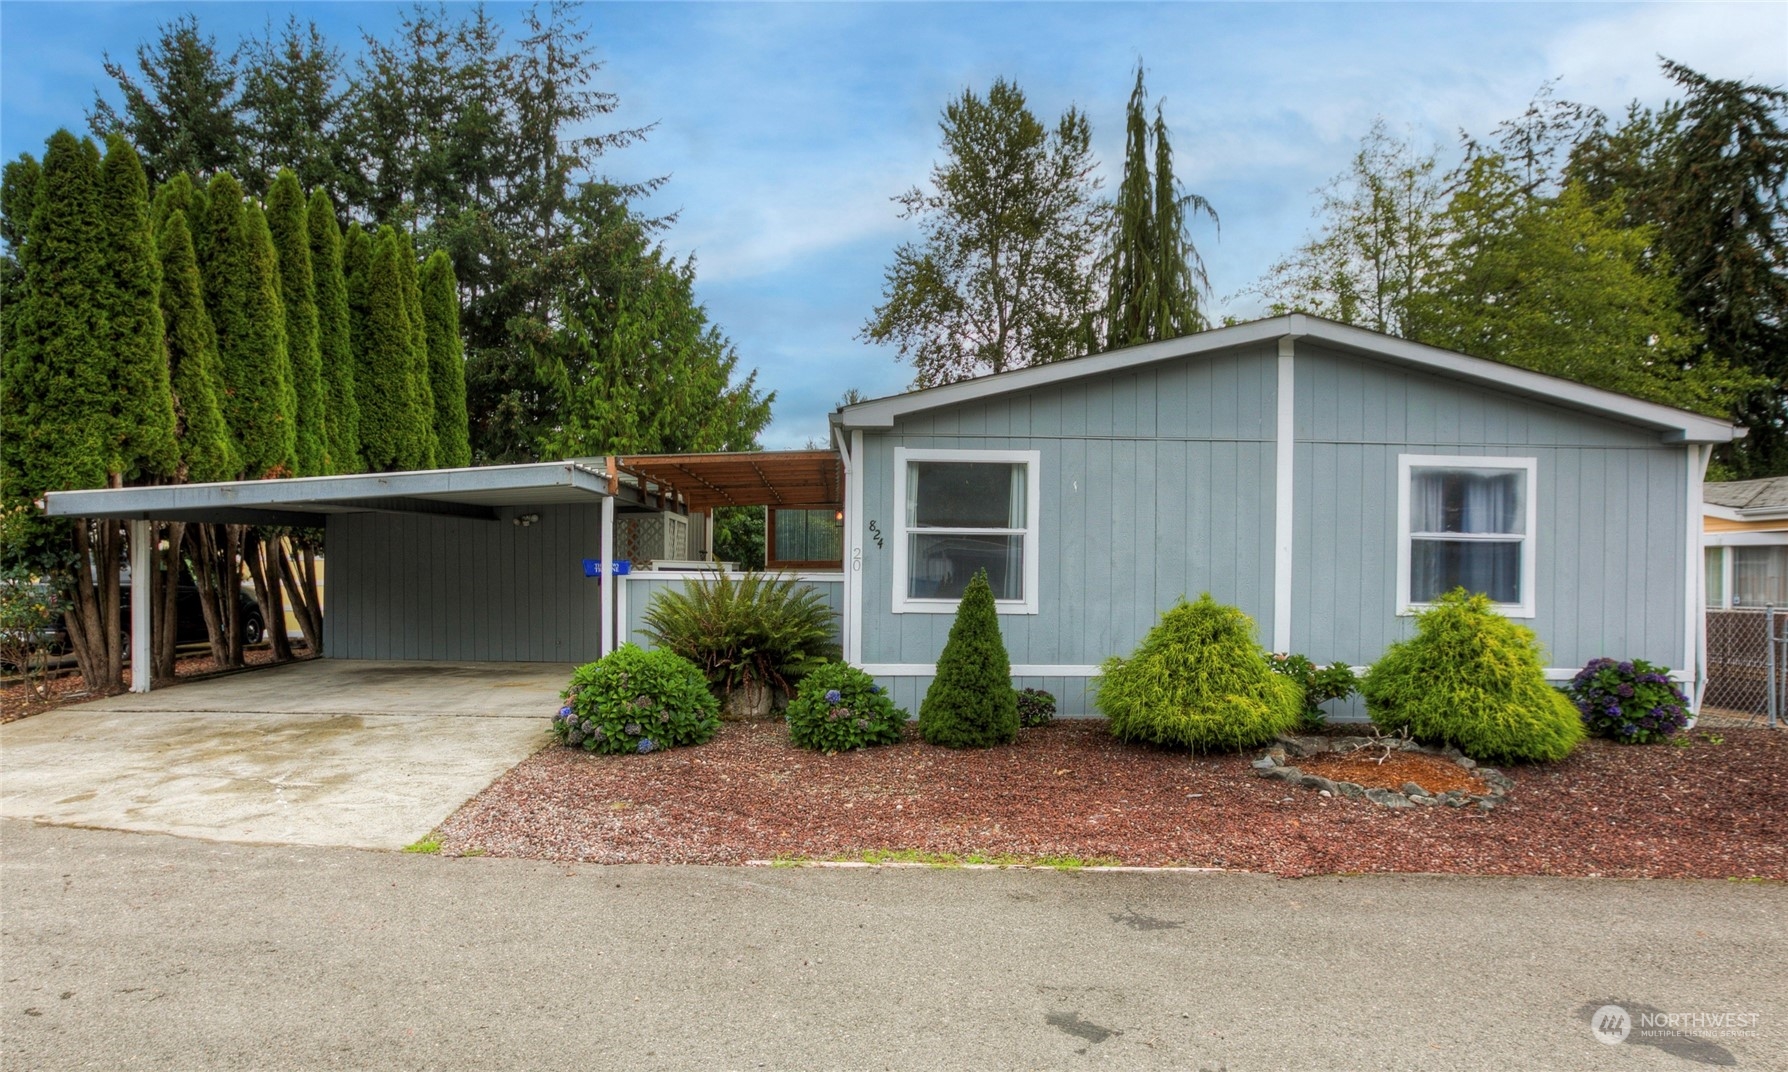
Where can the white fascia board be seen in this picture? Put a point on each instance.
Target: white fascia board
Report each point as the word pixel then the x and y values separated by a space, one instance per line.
pixel 882 412
pixel 1753 538
pixel 1679 426
pixel 1675 425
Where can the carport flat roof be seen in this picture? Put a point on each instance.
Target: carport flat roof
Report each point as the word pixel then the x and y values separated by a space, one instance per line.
pixel 478 492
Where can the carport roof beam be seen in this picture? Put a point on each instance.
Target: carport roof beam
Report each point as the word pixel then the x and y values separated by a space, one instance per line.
pixel 477 491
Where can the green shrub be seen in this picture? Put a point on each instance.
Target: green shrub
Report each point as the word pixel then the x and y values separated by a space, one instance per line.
pixel 1035 708
pixel 1629 702
pixel 1320 684
pixel 1472 679
pixel 762 629
pixel 971 702
pixel 1198 680
pixel 839 707
pixel 634 700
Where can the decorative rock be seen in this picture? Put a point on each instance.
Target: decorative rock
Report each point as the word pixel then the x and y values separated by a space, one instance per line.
pixel 1276 754
pixel 1264 763
pixel 1316 781
pixel 1351 790
pixel 1294 746
pixel 1284 774
pixel 1496 778
pixel 1465 761
pixel 1324 793
pixel 1486 803
pixel 1410 789
pixel 1420 799
pixel 1388 798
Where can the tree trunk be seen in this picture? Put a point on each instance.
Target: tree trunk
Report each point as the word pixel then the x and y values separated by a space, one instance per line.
pixel 215 572
pixel 167 599
pixel 264 571
pixel 301 586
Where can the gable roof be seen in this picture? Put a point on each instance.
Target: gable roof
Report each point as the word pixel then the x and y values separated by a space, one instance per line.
pixel 1673 425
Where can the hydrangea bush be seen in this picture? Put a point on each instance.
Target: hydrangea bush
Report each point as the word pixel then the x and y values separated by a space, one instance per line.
pixel 839 707
pixel 1629 702
pixel 633 700
pixel 1035 707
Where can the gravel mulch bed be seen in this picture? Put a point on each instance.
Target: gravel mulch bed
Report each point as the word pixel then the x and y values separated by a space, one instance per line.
pixel 1706 810
pixel 22 699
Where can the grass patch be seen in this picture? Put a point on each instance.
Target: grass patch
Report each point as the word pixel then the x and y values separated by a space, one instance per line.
pixel 428 846
pixel 980 859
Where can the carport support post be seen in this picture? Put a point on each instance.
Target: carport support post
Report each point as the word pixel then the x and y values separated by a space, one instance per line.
pixel 142 601
pixel 608 572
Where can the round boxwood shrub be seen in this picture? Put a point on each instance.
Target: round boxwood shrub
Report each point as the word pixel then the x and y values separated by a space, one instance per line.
pixel 1199 680
pixel 1035 708
pixel 971 703
pixel 1629 702
pixel 839 707
pixel 1475 680
pixel 634 700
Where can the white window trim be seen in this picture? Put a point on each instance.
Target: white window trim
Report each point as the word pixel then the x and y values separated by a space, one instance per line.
pixel 1529 540
pixel 1032 460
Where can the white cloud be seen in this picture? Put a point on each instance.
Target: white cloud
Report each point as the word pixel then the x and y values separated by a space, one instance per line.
pixel 1611 60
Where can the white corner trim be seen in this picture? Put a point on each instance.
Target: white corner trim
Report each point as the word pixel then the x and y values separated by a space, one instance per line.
pixel 1695 574
pixel 1032 460
pixel 607 594
pixel 1284 498
pixel 1529 540
pixel 853 549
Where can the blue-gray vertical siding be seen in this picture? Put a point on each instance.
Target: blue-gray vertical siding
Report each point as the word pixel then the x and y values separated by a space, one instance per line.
pixel 441 588
pixel 1150 484
pixel 1611 502
pixel 639 588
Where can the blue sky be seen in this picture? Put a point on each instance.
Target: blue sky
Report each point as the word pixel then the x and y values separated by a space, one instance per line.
pixel 786 128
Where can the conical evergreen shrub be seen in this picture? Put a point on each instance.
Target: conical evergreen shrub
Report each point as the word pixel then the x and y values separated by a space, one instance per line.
pixel 1475 680
pixel 971 702
pixel 142 444
pixel 422 391
pixel 334 346
pixel 288 223
pixel 446 361
pixel 385 367
pixel 241 278
pixel 206 451
pixel 1199 680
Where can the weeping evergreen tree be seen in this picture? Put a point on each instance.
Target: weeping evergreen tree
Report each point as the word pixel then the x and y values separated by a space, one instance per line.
pixel 335 352
pixel 287 221
pixel 242 296
pixel 446 365
pixel 385 368
pixel 422 394
pixel 1155 275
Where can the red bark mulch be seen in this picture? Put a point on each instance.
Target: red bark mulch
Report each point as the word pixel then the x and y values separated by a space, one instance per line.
pixel 1706 810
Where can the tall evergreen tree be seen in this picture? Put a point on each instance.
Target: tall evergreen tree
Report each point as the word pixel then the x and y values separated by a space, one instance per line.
pixel 1003 277
pixel 333 343
pixel 446 365
pixel 288 224
pixel 142 446
pixel 242 295
pixel 206 450
pixel 385 368
pixel 292 106
pixel 183 118
pixel 422 393
pixel 180 194
pixel 1155 276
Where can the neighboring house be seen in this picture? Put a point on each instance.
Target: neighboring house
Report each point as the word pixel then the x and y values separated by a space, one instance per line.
pixel 1745 525
pixel 1327 479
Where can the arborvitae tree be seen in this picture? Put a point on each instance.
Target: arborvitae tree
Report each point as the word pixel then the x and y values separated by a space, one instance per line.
pixel 421 390
pixel 446 366
pixel 59 430
pixel 286 220
pixel 206 450
pixel 242 296
pixel 971 703
pixel 181 194
pixel 142 445
pixel 1155 275
pixel 342 421
pixel 389 439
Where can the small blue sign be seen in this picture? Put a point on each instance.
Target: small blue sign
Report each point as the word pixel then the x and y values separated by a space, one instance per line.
pixel 593 567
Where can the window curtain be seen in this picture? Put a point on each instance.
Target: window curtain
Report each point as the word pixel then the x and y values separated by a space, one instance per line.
pixel 1468 503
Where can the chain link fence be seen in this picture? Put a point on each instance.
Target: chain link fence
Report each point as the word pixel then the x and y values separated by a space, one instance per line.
pixel 1740 667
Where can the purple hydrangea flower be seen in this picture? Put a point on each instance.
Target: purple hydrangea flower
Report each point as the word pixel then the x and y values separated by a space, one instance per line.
pixel 565 711
pixel 646 745
pixel 630 729
pixel 833 695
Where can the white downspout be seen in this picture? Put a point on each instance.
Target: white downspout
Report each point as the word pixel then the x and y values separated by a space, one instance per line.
pixel 1285 449
pixel 853 568
pixel 142 603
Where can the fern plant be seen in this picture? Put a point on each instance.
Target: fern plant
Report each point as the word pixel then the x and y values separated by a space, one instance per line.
pixel 760 629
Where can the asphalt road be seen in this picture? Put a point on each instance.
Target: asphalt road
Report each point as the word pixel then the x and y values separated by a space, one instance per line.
pixel 134 951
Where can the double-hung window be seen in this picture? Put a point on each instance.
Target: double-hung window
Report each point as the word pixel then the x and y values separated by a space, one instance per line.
pixel 963 511
pixel 1466 523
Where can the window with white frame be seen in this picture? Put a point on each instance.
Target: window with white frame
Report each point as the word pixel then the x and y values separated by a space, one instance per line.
pixel 963 511
pixel 1466 523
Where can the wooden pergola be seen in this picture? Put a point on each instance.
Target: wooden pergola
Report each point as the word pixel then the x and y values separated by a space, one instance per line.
pixel 805 479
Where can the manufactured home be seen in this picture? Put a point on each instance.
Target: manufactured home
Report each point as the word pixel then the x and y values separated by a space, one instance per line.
pixel 1326 479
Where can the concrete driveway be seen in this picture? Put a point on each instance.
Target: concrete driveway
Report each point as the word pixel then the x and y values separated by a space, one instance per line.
pixel 325 752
